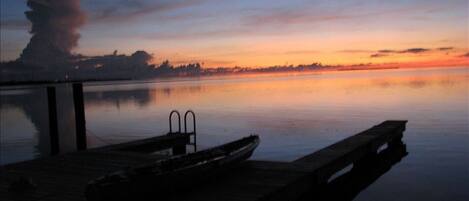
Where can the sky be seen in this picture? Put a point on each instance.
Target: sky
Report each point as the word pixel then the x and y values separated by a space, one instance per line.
pixel 259 33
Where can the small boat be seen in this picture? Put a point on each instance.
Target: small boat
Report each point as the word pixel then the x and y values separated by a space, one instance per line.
pixel 166 177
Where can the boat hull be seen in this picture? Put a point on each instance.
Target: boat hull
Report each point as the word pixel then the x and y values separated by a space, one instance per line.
pixel 166 178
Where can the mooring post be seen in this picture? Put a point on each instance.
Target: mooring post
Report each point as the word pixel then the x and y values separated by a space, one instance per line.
pixel 53 125
pixel 80 121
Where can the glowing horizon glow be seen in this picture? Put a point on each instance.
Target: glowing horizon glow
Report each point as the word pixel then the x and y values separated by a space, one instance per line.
pixel 266 33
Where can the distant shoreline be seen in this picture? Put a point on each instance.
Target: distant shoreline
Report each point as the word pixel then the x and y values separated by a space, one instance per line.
pixel 330 69
pixel 41 82
pixel 207 74
pixel 369 68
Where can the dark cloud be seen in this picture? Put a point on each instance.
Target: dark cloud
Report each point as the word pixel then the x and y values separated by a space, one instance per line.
pixel 414 50
pixel 387 51
pixel 378 55
pixel 54 30
pixel 445 48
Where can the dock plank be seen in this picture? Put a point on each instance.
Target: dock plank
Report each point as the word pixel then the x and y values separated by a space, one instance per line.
pixel 64 177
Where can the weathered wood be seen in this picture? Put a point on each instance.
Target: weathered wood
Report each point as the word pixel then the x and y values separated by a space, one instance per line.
pixel 53 124
pixel 331 159
pixel 152 144
pixel 264 180
pixel 64 177
pixel 80 122
pixel 321 165
pixel 348 185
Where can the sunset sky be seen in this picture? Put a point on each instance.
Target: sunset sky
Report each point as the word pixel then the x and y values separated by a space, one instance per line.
pixel 255 33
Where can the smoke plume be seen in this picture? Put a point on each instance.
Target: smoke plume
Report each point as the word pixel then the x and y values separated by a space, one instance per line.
pixel 54 30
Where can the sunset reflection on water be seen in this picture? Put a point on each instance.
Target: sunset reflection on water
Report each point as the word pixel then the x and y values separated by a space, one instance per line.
pixel 293 114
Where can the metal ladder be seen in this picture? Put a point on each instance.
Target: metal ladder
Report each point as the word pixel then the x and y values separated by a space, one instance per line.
pixel 193 133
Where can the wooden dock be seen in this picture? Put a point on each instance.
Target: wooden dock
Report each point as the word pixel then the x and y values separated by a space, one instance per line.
pixel 64 177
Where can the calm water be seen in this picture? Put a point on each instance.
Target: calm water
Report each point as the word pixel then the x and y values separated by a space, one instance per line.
pixel 293 114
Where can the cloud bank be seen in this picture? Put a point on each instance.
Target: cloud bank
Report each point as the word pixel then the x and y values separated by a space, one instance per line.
pixel 418 50
pixel 54 30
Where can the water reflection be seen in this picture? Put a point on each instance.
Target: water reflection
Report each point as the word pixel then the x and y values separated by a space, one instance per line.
pixel 141 97
pixel 35 111
pixel 33 104
pixel 294 115
pixel 277 106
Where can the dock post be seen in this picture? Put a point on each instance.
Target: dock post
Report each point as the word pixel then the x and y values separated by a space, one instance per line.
pixel 53 124
pixel 80 121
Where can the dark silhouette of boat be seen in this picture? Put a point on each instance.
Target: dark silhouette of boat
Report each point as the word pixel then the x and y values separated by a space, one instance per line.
pixel 166 177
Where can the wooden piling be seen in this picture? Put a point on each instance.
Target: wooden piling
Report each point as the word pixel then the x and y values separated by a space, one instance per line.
pixel 53 125
pixel 80 121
